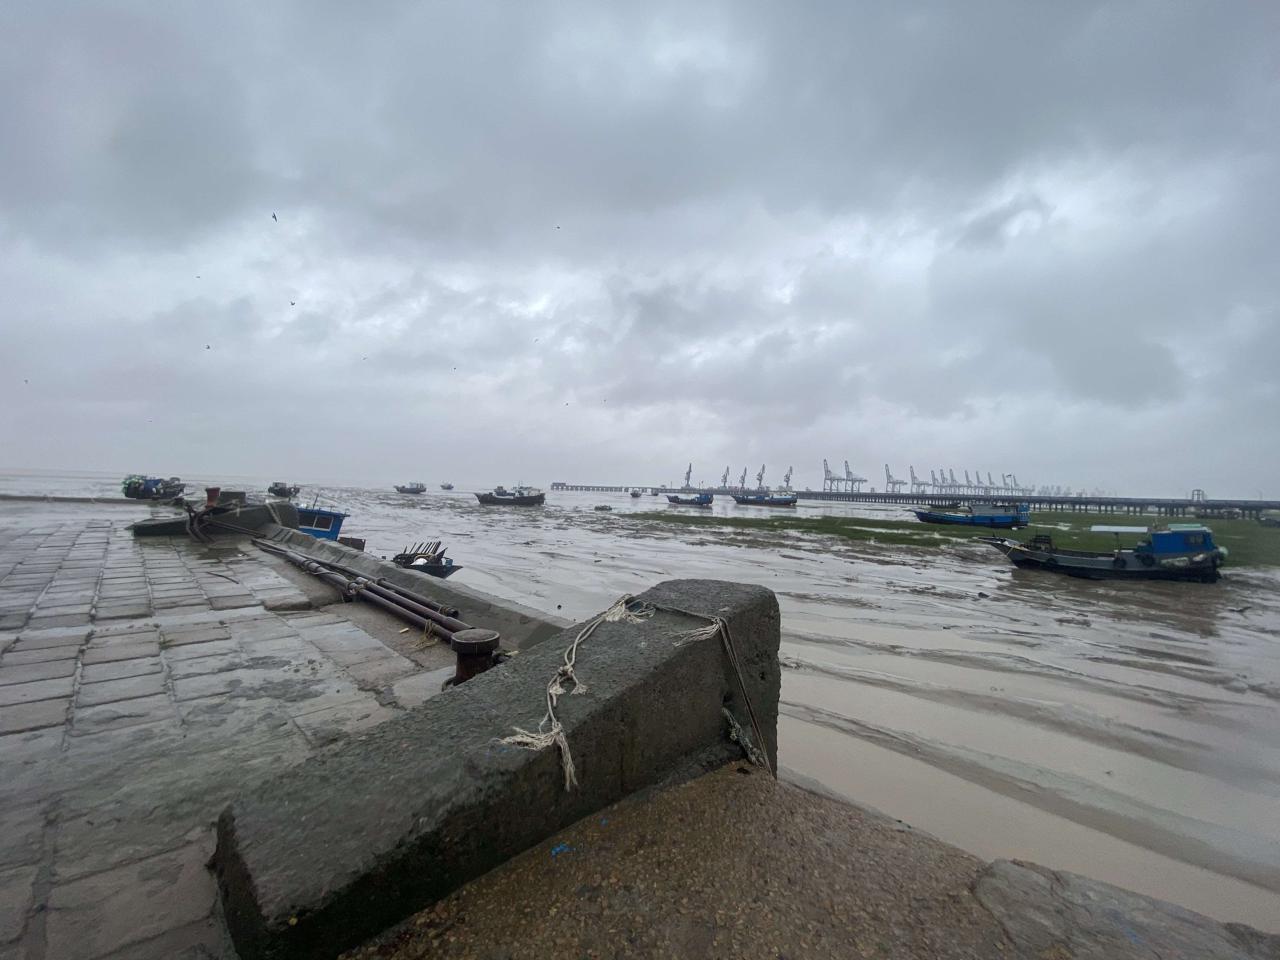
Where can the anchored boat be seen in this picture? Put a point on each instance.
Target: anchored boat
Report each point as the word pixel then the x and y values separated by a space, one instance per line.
pixel 1004 515
pixel 697 500
pixel 519 497
pixel 282 489
pixel 414 487
pixel 765 498
pixel 1180 551
pixel 446 485
pixel 635 494
pixel 137 487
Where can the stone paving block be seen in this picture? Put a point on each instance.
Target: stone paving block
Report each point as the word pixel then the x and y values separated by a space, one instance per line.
pixel 119 669
pixel 259 629
pixel 30 692
pixel 205 940
pixel 30 639
pixel 199 666
pixel 377 673
pixel 96 915
pixel 245 682
pixel 208 648
pixel 39 621
pixel 231 601
pixel 15 900
pixel 122 611
pixel 20 654
pixel 329 723
pixel 122 651
pixel 126 713
pixel 125 634
pixel 21 833
pixel 415 690
pixel 182 636
pixel 126 688
pixel 24 672
pixel 33 716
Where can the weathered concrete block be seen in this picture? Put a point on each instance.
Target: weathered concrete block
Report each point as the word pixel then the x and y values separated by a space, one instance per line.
pixel 352 841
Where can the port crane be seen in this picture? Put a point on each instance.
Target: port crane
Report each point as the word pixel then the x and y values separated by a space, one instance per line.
pixel 687 474
pixel 891 483
pixel 742 481
pixel 917 485
pixel 724 481
pixel 855 482
pixel 786 479
pixel 834 483
pixel 760 478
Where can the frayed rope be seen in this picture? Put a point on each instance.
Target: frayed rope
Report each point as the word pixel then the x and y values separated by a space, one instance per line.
pixel 550 731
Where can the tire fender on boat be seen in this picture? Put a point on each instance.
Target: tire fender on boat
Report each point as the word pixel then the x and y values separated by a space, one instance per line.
pixel 1119 563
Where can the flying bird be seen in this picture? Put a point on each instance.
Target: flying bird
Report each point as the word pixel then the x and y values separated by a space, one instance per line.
pixel 207 347
pixel 275 218
pixel 293 303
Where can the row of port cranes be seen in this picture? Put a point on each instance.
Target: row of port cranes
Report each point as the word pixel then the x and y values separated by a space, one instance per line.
pixel 742 480
pixel 943 481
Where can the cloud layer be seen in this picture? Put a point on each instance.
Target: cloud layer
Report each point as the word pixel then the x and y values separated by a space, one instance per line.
pixel 565 241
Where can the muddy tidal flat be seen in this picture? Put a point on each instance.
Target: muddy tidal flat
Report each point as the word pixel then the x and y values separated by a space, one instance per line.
pixel 1127 731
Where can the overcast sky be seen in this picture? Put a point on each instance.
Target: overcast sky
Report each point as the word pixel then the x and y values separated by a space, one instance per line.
pixel 538 241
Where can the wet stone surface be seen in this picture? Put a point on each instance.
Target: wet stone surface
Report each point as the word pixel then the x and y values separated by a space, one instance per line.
pixel 142 686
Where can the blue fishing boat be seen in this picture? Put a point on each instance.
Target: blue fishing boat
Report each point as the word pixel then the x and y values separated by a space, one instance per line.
pixel 765 498
pixel 320 522
pixel 1002 515
pixel 1180 551
pixel 697 500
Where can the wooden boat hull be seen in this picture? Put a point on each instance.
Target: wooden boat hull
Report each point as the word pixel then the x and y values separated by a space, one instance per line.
pixel 699 501
pixel 1120 565
pixel 491 500
pixel 997 521
pixel 747 500
pixel 409 490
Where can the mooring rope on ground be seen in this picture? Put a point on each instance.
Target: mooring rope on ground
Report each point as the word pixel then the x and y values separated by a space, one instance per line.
pixel 627 610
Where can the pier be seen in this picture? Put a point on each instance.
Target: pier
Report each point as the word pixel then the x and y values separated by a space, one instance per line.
pixel 1158 506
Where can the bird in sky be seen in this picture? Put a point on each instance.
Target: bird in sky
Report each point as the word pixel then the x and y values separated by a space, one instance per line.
pixel 293 303
pixel 275 218
pixel 207 347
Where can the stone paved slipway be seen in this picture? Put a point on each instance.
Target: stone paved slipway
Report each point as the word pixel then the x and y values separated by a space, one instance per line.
pixel 143 684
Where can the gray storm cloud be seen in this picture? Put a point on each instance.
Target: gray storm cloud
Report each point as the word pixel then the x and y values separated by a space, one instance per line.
pixel 573 241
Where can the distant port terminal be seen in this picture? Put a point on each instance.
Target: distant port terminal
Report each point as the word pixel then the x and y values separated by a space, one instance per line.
pixel 946 488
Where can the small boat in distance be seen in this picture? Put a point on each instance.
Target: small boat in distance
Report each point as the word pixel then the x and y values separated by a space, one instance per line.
pixel 1180 551
pixel 635 494
pixel 765 498
pixel 446 485
pixel 519 497
pixel 414 487
pixel 282 489
pixel 137 487
pixel 1003 515
pixel 697 500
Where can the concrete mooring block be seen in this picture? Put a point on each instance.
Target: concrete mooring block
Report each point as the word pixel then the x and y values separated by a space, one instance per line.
pixel 354 840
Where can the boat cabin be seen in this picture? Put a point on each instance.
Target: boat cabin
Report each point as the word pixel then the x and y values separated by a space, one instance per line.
pixel 1178 538
pixel 321 523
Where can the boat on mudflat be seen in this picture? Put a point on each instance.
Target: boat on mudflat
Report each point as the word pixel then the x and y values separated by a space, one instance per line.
pixel 1180 551
pixel 446 485
pixel 414 487
pixel 282 489
pixel 137 487
pixel 428 558
pixel 1003 515
pixel 635 494
pixel 321 522
pixel 519 497
pixel 765 498
pixel 697 500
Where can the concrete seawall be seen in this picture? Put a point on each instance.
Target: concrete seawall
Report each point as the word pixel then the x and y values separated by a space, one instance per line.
pixel 339 848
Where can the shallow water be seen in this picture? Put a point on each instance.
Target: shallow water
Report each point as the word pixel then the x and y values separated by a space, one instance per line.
pixel 1128 731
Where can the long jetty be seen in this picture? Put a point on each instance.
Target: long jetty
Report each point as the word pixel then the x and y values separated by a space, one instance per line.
pixel 1160 506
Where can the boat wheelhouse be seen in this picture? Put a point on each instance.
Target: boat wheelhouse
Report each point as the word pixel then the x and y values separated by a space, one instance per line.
pixel 321 523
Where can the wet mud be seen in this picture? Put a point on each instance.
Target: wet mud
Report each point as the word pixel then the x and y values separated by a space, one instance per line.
pixel 1128 731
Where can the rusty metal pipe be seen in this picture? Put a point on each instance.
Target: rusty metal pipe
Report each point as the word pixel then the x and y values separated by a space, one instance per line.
pixel 449 623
